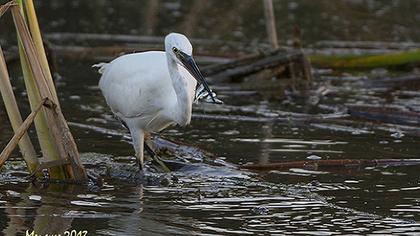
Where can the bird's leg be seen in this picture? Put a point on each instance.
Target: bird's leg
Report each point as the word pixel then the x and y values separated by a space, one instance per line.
pixel 153 154
pixel 138 144
pixel 139 162
pixel 138 140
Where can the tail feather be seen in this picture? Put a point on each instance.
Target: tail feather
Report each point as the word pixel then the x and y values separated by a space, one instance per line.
pixel 101 67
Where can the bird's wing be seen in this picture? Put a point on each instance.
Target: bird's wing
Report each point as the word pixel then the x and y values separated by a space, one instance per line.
pixel 137 85
pixel 129 101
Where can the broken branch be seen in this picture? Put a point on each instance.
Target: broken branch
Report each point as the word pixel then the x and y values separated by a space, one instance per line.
pixel 20 132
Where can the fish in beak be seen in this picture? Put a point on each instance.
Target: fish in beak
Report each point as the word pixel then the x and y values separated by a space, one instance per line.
pixel 202 95
pixel 189 63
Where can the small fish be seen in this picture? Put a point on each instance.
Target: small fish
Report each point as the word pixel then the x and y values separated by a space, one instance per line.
pixel 202 95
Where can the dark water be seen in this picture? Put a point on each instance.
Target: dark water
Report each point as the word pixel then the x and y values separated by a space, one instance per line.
pixel 235 19
pixel 218 199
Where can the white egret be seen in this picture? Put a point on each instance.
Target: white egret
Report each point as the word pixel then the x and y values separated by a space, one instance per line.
pixel 152 90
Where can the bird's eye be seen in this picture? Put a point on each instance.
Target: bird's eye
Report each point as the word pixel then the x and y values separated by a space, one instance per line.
pixel 174 49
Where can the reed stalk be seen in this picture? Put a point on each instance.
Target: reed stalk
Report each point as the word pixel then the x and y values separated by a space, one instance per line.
pixel 25 144
pixel 46 141
pixel 57 142
pixel 39 45
pixel 19 133
pixel 270 23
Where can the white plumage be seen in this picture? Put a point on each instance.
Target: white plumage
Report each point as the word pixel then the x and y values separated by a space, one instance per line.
pixel 151 90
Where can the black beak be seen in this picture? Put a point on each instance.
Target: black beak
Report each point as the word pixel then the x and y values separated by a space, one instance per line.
pixel 191 66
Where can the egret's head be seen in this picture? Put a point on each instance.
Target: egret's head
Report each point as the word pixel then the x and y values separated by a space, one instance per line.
pixel 175 42
pixel 179 48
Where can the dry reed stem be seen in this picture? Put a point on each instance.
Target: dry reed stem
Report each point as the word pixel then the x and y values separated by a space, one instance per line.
pixel 25 144
pixel 47 143
pixel 19 133
pixel 270 22
pixel 5 7
pixel 59 129
pixel 39 45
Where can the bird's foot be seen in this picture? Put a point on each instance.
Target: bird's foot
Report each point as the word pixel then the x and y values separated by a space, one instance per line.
pixel 159 161
pixel 156 158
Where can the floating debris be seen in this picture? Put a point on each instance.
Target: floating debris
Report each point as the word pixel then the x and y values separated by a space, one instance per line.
pixel 35 197
pixel 313 157
pixel 397 135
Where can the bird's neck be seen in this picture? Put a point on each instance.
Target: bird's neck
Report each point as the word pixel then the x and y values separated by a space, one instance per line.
pixel 183 109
